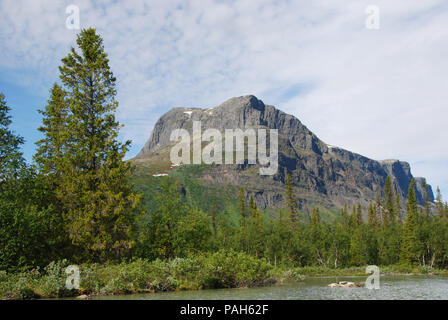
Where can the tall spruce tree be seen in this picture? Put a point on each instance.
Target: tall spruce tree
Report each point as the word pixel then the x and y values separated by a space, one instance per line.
pixel 99 205
pixel 344 216
pixel 372 217
pixel 291 200
pixel 255 232
pixel 409 248
pixel 318 237
pixel 379 210
pixel 11 159
pixel 242 205
pixel 213 218
pixel 358 214
pixel 398 208
pixel 51 148
pixel 243 219
pixel 389 201
pixel 357 244
pixel 439 203
pixel 275 240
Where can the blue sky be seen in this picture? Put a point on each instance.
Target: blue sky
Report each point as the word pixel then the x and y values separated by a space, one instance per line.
pixel 381 93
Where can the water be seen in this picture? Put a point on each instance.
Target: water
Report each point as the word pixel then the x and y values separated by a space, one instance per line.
pixel 391 288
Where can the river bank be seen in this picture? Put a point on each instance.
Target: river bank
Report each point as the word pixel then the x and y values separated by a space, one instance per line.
pixel 314 288
pixel 223 269
pixel 391 270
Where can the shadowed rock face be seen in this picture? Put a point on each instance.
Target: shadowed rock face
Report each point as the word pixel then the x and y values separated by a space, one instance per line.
pixel 329 175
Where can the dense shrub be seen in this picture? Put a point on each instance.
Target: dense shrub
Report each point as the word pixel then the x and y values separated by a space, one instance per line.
pixel 222 269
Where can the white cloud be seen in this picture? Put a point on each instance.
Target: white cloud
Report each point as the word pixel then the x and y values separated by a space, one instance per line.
pixel 381 93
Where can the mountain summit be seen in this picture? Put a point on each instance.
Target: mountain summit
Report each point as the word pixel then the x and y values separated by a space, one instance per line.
pixel 323 174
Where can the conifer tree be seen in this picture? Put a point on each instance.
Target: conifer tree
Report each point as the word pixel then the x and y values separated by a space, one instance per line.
pixel 341 244
pixel 318 237
pixel 252 206
pixel 99 204
pixel 213 217
pixel 315 223
pixel 192 233
pixel 389 215
pixel 242 205
pixel 11 159
pixel 359 214
pixel 409 249
pixel 255 230
pixel 357 244
pixel 390 243
pixel 398 208
pixel 439 203
pixel 389 235
pixel 243 219
pixel 29 228
pixel 160 233
pixel 371 243
pixel 372 217
pixel 291 200
pixel 279 239
pixel 425 198
pixel 379 210
pixel 355 217
pixel 344 216
pixel 50 153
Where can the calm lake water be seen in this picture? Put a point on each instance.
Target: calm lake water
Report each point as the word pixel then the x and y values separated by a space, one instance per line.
pixel 391 288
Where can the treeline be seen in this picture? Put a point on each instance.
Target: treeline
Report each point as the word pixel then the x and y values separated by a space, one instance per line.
pixel 386 234
pixel 76 202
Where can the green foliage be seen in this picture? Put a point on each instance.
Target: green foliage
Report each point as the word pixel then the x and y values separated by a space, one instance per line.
pixel 390 213
pixel 229 269
pixel 291 200
pixel 50 153
pixel 30 230
pixel 255 239
pixel 35 283
pixel 52 284
pixel 221 269
pixel 18 285
pixel 158 234
pixel 193 233
pixel 372 217
pixel 80 204
pixel 82 158
pixel 278 239
pixel 318 237
pixel 213 217
pixel 410 246
pixel 10 156
pixel 242 205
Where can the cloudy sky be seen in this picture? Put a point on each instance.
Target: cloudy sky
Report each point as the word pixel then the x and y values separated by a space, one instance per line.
pixel 379 92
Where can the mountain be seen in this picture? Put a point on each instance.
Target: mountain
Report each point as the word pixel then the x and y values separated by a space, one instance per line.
pixel 325 175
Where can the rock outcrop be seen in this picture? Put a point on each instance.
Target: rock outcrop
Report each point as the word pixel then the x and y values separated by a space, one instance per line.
pixel 346 284
pixel 322 173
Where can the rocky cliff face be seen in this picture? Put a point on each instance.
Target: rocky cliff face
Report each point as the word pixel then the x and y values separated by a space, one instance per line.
pixel 323 174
